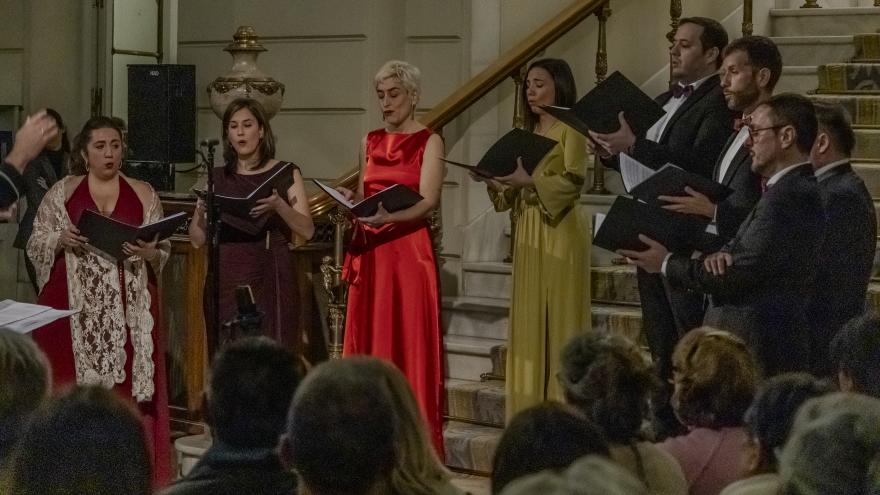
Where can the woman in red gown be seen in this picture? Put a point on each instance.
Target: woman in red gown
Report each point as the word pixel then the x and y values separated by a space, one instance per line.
pixel 393 296
pixel 115 339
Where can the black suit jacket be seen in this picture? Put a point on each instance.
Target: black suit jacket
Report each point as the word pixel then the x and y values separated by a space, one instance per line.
pixel 845 261
pixel 227 471
pixel 11 185
pixel 39 176
pixel 764 295
pixel 746 186
pixel 694 135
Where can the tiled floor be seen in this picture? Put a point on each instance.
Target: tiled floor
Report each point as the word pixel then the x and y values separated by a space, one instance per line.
pixel 474 485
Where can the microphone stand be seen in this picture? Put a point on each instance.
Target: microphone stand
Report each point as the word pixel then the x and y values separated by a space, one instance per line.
pixel 213 234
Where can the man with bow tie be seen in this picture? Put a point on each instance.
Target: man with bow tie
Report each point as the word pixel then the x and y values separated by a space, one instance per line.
pixel 691 134
pixel 761 282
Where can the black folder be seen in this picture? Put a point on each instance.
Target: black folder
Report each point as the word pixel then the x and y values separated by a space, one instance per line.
pixel 108 235
pixel 671 180
pixel 500 160
pixel 393 198
pixel 628 218
pixel 597 110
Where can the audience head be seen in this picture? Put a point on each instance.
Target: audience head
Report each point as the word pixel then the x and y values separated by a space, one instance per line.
pixel 714 378
pixel 98 148
pixel 86 441
pixel 607 378
pixel 592 475
pixel 24 385
pixel 772 413
pixel 781 133
pixel 549 81
pixel 60 142
pixel 339 438
pixel 417 469
pixel 696 49
pixel 835 139
pixel 834 448
pixel 547 436
pixel 856 352
pixel 252 384
pixel 750 70
pixel 398 86
pixel 246 135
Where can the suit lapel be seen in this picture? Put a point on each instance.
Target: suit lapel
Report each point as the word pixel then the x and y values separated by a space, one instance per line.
pixel 692 100
pixel 741 159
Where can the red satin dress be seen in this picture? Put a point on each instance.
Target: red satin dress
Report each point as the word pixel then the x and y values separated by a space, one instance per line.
pixel 55 339
pixel 393 296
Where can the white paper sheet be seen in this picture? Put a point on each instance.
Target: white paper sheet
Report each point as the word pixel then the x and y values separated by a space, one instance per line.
pixel 633 172
pixel 334 194
pixel 24 317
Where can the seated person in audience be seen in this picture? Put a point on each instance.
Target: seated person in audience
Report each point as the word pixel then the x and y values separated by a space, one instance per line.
pixel 607 378
pixel 714 381
pixel 855 351
pixel 768 422
pixel 87 441
pixel 834 448
pixel 547 436
pixel 339 438
pixel 417 470
pixel 252 383
pixel 592 475
pixel 24 385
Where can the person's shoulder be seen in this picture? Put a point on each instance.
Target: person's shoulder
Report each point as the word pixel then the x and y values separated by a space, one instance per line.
pixel 143 189
pixel 69 184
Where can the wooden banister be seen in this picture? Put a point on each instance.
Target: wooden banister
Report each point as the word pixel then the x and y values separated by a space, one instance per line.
pixel 508 64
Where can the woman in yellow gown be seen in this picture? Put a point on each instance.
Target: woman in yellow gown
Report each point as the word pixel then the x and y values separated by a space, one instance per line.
pixel 551 254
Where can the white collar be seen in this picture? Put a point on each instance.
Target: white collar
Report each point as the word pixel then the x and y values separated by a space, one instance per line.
pixel 778 175
pixel 831 165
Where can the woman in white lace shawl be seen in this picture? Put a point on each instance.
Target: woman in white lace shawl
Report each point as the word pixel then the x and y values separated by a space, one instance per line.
pixel 113 340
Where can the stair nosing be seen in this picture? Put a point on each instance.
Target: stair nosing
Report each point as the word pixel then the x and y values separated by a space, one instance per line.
pixel 835 11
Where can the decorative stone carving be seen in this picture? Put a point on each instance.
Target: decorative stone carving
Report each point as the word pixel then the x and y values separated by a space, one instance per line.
pixel 245 79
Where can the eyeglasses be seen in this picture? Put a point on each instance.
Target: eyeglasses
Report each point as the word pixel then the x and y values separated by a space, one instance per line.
pixel 753 131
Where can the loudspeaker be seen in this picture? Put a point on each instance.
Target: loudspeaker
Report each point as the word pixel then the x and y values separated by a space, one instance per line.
pixel 162 113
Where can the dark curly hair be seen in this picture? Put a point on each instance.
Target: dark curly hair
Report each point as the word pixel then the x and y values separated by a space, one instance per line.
pixel 78 165
pixel 607 378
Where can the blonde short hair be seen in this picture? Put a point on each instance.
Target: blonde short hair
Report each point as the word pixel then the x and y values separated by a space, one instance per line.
pixel 409 75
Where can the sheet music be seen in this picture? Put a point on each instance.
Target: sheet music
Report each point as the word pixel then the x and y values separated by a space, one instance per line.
pixel 23 317
pixel 633 172
pixel 597 223
pixel 334 194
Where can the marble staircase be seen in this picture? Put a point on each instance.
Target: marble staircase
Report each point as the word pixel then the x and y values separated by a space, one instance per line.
pixel 830 54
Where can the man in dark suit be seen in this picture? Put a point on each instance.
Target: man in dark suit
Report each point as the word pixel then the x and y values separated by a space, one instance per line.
pixel 30 139
pixel 761 282
pixel 750 70
pixel 691 134
pixel 847 255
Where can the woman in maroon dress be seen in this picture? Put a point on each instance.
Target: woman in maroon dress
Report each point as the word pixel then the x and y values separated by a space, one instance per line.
pixel 257 253
pixel 393 296
pixel 114 340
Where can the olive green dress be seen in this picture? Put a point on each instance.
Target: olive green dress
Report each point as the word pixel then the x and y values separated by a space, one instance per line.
pixel 551 273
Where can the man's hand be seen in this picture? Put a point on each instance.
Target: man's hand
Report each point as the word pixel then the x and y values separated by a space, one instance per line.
pixel 651 259
pixel 8 213
pixel 694 203
pixel 717 263
pixel 620 140
pixel 31 138
pixel 519 177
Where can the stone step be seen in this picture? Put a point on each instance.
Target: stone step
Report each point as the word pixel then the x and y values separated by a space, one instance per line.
pixel 863 109
pixel 859 77
pixel 867 145
pixel 469 316
pixel 800 79
pixel 807 50
pixel 470 447
pixel 469 358
pixel 824 22
pixel 867 47
pixel 475 402
pixel 486 279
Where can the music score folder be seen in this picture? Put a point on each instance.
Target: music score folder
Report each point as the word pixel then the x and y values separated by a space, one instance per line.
pixel 627 218
pixel 500 159
pixel 108 235
pixel 393 198
pixel 647 184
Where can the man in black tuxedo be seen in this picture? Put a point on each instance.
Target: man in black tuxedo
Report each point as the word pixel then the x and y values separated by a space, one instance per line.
pixel 750 70
pixel 691 134
pixel 847 255
pixel 761 282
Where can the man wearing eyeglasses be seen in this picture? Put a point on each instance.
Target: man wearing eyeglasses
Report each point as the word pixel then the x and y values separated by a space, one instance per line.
pixel 761 282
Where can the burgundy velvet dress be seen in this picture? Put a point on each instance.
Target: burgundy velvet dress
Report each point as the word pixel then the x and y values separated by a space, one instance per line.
pixel 56 341
pixel 246 258
pixel 393 297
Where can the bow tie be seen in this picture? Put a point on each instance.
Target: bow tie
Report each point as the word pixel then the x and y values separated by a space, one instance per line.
pixel 740 123
pixel 679 91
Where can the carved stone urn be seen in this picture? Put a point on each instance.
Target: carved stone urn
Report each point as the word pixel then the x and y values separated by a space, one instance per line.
pixel 245 79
